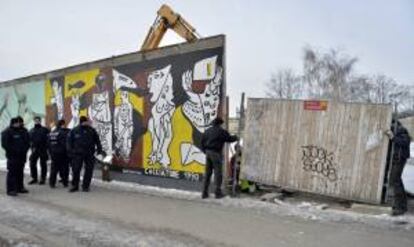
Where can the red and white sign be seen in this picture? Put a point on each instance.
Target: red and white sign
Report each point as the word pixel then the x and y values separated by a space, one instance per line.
pixel 315 105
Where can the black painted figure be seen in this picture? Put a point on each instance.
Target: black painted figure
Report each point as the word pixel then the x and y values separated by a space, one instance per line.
pixel 212 143
pixel 16 142
pixel 82 143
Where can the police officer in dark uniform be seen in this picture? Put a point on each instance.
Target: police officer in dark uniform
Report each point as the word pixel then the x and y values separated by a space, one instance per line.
pixel 38 139
pixel 400 143
pixel 58 154
pixel 16 142
pixel 82 143
pixel 212 143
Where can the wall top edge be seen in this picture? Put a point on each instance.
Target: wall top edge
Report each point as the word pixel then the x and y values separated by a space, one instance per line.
pixel 133 57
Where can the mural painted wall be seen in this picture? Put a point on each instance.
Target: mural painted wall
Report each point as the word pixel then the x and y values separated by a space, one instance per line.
pixel 26 100
pixel 150 115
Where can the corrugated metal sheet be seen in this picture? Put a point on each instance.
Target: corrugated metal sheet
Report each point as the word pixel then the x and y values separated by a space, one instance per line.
pixel 338 151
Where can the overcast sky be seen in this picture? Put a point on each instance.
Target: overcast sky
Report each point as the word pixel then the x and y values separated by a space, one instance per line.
pixel 262 36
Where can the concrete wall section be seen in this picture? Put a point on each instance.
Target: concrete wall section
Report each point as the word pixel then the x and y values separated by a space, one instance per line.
pixel 25 100
pixel 150 109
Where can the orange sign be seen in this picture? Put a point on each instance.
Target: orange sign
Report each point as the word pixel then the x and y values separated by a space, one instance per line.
pixel 315 105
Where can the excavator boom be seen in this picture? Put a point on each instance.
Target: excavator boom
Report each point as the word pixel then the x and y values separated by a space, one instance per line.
pixel 168 19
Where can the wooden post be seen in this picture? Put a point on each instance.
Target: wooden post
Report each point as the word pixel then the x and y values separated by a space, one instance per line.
pixel 239 130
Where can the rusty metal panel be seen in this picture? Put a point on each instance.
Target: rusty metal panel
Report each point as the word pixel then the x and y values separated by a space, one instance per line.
pixel 329 148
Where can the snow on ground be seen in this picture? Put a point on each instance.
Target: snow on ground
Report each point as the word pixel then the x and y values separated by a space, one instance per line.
pixel 408 176
pixel 312 211
pixel 66 226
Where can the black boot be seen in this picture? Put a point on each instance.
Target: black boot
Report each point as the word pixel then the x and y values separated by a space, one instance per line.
pixel 74 189
pixel 398 211
pixel 219 194
pixel 12 193
pixel 33 181
pixel 23 191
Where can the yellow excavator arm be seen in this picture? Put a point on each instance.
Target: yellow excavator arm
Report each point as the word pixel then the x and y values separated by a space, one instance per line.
pixel 168 19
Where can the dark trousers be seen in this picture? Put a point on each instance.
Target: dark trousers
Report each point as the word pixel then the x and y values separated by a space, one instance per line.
pixel 214 163
pixel 60 164
pixel 77 163
pixel 400 197
pixel 42 154
pixel 15 175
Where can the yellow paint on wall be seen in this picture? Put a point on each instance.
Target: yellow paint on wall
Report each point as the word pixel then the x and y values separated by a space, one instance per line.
pixel 48 92
pixel 182 132
pixel 88 77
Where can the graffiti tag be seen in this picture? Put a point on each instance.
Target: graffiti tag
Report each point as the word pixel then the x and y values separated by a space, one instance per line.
pixel 319 160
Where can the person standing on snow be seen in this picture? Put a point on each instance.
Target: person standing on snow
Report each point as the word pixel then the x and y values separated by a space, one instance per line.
pixel 58 154
pixel 212 143
pixel 38 139
pixel 15 141
pixel 82 143
pixel 400 148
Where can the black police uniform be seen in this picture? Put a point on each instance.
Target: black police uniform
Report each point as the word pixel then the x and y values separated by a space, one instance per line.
pixel 16 142
pixel 82 142
pixel 59 156
pixel 212 143
pixel 401 152
pixel 38 139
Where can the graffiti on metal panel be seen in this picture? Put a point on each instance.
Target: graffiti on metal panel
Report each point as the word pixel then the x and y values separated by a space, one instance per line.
pixel 319 160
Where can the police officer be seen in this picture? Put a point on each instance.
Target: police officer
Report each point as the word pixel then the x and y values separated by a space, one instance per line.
pixel 58 154
pixel 400 143
pixel 212 143
pixel 38 140
pixel 16 142
pixel 82 142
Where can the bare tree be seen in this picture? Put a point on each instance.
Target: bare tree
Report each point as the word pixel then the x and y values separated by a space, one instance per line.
pixel 284 84
pixel 358 89
pixel 329 74
pixel 386 90
pixel 383 88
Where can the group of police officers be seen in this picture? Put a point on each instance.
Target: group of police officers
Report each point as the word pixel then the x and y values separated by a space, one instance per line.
pixel 67 148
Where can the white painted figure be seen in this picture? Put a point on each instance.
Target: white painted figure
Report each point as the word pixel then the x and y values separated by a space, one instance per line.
pixel 75 111
pixel 124 127
pixel 160 84
pixel 57 99
pixel 191 153
pixel 121 80
pixel 100 116
pixel 202 108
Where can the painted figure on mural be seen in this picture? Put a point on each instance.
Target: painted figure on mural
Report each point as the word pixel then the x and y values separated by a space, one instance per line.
pixel 160 84
pixel 202 86
pixel 100 114
pixel 190 153
pixel 203 89
pixel 5 115
pixel 24 109
pixel 57 99
pixel 124 127
pixel 75 111
pixel 122 81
